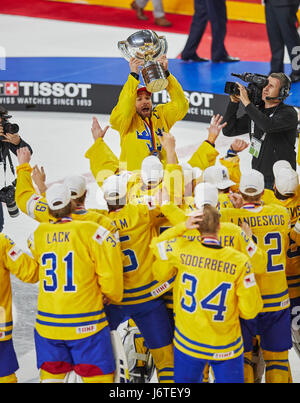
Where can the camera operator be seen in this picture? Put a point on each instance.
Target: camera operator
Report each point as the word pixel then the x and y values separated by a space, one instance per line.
pixel 271 124
pixel 10 141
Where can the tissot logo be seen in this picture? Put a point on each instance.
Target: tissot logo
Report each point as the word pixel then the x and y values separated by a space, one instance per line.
pixel 44 89
pixel 195 98
pixel 9 88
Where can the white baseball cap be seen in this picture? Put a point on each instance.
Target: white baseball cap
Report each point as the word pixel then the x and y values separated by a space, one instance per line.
pixel 278 165
pixel 189 173
pixel 114 187
pixel 286 181
pixel 58 196
pixel 254 180
pixel 76 184
pixel 152 170
pixel 218 176
pixel 206 193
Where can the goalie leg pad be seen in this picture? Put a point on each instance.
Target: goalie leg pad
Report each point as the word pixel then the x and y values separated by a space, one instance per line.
pixel 140 361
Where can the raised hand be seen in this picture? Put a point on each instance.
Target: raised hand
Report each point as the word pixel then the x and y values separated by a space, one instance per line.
pixel 97 130
pixel 23 155
pixel 215 128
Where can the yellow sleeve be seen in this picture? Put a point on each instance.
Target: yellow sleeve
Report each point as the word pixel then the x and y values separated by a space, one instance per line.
pixel 18 262
pixel 27 199
pixel 173 213
pixel 233 166
pixel 103 162
pixel 174 182
pixel 108 259
pixel 163 249
pixel 257 256
pixel 102 219
pixel 122 114
pixel 249 298
pixel 177 108
pixel 204 156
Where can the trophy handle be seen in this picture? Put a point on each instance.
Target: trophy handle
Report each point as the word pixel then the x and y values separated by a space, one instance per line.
pixel 164 45
pixel 123 49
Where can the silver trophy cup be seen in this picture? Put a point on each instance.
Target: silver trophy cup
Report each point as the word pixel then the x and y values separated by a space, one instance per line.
pixel 146 45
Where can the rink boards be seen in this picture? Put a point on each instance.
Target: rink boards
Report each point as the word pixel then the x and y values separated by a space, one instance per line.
pixel 92 85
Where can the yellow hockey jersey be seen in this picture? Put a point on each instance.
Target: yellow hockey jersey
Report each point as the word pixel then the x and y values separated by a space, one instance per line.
pixel 36 206
pixel 17 262
pixel 78 263
pixel 136 232
pixel 270 225
pixel 292 204
pixel 142 135
pixel 214 287
pixel 229 235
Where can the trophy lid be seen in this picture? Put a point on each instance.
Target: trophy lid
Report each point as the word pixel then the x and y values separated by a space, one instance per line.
pixel 140 38
pixel 144 44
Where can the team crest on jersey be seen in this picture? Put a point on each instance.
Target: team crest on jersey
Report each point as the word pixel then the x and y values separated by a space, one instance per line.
pixel 169 247
pixel 9 239
pixel 101 234
pixel 15 253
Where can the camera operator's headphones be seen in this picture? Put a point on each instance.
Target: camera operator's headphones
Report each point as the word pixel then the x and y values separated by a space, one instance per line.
pixel 285 89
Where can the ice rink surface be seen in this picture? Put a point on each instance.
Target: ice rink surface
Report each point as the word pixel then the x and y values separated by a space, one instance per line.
pixel 60 140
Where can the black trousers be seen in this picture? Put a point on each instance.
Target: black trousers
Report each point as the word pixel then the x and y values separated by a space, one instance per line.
pixel 208 10
pixel 282 31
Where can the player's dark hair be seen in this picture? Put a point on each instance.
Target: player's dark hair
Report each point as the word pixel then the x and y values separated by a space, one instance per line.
pixel 117 203
pixel 80 200
pixel 251 199
pixel 63 212
pixel 210 221
pixel 281 196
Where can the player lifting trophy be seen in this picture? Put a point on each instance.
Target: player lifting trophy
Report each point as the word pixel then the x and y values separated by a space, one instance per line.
pixel 138 123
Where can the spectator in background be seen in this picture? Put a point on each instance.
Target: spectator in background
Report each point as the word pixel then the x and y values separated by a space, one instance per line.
pixel 158 12
pixel 281 18
pixel 9 142
pixel 215 12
